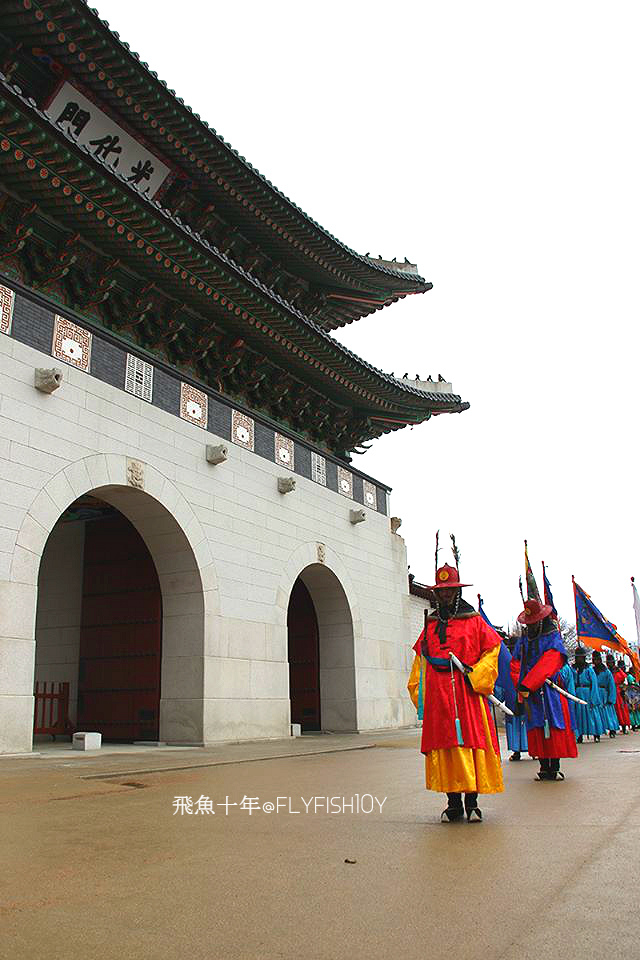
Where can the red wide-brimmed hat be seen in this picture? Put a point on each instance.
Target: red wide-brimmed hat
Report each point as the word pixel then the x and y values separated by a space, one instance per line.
pixel 448 578
pixel 534 611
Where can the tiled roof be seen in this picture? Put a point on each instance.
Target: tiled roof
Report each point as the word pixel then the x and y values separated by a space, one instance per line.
pixel 67 27
pixel 436 402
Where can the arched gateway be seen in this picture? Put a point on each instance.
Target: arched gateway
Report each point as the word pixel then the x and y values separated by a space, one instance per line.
pixel 320 641
pixel 99 623
pixel 119 597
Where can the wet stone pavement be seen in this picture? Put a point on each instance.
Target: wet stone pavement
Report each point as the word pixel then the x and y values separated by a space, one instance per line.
pixel 101 860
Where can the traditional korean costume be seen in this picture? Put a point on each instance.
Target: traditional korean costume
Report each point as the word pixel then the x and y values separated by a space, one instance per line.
pixel 455 707
pixel 622 710
pixel 566 679
pixel 634 713
pixel 536 659
pixel 608 697
pixel 516 730
pixel 587 688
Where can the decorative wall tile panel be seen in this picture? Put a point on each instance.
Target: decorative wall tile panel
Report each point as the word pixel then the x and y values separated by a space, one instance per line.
pixel 108 362
pixel 193 405
pixel 139 378
pixel 345 482
pixel 27 321
pixel 242 431
pixel 284 451
pixel 71 343
pixel 166 392
pixel 332 475
pixel 318 469
pixel 7 300
pixel 219 419
pixel 263 440
pixel 32 324
pixel 370 495
pixel 358 491
pixel 303 461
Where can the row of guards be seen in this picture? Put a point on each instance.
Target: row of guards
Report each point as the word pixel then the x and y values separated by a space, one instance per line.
pixel 592 627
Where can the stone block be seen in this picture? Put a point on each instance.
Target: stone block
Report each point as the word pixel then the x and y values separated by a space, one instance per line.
pixel 17 610
pixel 47 380
pixel 286 484
pixel 86 740
pixel 181 721
pixel 269 680
pixel 246 720
pixel 227 679
pixel 25 566
pixel 182 677
pixel 16 667
pixel 16 723
pixel 217 453
pixel 61 491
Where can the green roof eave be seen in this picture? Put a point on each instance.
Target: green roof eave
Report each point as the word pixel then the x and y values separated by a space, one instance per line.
pixel 134 80
pixel 350 377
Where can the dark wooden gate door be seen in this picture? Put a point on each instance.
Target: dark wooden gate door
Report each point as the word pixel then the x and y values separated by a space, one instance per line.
pixel 304 665
pixel 121 634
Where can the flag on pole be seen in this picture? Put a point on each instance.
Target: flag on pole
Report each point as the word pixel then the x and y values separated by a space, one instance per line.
pixel 532 587
pixel 596 631
pixel 503 679
pixel 548 596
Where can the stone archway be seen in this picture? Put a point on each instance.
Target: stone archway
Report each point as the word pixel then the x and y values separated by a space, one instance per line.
pixel 99 625
pixel 326 583
pixel 181 554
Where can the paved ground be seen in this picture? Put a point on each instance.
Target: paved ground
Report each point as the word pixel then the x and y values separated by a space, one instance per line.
pixel 96 864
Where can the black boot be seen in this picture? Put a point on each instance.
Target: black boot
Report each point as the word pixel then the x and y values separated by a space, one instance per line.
pixel 544 772
pixel 455 810
pixel 515 755
pixel 554 769
pixel 473 811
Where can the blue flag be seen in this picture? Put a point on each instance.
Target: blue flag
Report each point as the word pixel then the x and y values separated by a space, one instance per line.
pixel 592 627
pixel 596 631
pixel 548 596
pixel 504 681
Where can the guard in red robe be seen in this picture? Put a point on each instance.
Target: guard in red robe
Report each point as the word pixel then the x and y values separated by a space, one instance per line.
pixel 459 738
pixel 620 677
pixel 537 657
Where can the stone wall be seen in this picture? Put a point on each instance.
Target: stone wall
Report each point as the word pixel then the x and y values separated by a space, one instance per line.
pixel 227 546
pixel 60 608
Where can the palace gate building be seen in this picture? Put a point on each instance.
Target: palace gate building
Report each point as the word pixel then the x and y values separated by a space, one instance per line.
pixel 187 552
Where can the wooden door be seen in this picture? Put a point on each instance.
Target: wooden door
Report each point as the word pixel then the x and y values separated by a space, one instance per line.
pixel 304 665
pixel 121 634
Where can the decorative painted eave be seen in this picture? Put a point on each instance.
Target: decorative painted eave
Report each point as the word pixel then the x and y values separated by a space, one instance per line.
pixel 41 162
pixel 74 36
pixel 419 589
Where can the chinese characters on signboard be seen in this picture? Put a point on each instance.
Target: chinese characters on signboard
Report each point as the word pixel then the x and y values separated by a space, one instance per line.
pixel 107 141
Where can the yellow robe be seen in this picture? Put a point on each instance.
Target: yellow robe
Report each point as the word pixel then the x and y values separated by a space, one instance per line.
pixel 463 769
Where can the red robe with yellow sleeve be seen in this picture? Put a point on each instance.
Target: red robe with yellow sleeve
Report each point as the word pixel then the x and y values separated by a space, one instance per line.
pixel 474 766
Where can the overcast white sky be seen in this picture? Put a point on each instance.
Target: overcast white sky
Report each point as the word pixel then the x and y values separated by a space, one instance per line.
pixel 496 144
